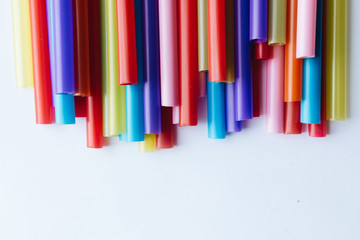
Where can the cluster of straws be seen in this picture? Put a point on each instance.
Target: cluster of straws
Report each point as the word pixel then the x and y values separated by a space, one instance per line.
pixel 135 68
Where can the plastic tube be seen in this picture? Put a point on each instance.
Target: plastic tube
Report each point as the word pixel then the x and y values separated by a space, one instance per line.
pixel 275 91
pixel 216 110
pixel 166 139
pixel 152 104
pixel 336 48
pixel 50 27
pixel 306 28
pixel 117 100
pixel 292 118
pixel 80 106
pixel 126 42
pixel 262 51
pixel 257 73
pixel 258 20
pixel 311 102
pixel 22 44
pixel 188 64
pixel 203 35
pixel 94 119
pixel 64 108
pixel 243 83
pixel 231 124
pixel 149 144
pixel 81 47
pixel 217 40
pixel 293 66
pixel 64 46
pixel 41 63
pixel 202 83
pixel 230 41
pixel 277 22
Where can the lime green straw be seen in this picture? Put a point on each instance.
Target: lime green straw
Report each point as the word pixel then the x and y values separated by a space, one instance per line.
pixel 336 41
pixel 202 35
pixel 277 22
pixel 117 98
pixel 149 144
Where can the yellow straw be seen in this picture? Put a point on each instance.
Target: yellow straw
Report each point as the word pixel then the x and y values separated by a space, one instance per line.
pixel 148 145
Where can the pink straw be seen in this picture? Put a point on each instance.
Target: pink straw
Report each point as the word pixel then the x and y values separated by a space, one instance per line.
pixel 306 29
pixel 275 91
pixel 176 115
pixel 168 53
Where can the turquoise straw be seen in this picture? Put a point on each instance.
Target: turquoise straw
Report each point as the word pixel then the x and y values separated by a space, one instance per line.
pixel 64 109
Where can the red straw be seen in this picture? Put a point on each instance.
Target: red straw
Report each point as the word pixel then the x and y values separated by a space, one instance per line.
pixel 292 118
pixel 256 67
pixel 94 120
pixel 262 51
pixel 80 106
pixel 188 64
pixel 127 42
pixel 42 79
pixel 166 138
pixel 216 40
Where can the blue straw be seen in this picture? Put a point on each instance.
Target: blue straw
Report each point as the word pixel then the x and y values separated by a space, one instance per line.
pixel 64 109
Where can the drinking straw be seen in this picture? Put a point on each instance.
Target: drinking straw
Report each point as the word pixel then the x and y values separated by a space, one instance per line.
pixel 80 106
pixel 22 44
pixel 104 70
pixel 277 22
pixel 64 108
pixel 257 73
pixel 292 118
pixel 152 104
pixel 258 20
pixel 188 65
pixel 231 125
pixel 166 139
pixel 41 62
pixel 262 51
pixel 311 102
pixel 203 35
pixel 81 47
pixel 293 66
pixel 94 119
pixel 216 40
pixel 123 137
pixel 306 28
pixel 243 83
pixel 230 41
pixel 126 42
pixel 117 99
pixel 216 110
pixel 176 114
pixel 336 48
pixel 64 46
pixel 149 144
pixel 202 83
pixel 135 93
pixel 275 91
pixel 169 62
pixel 50 27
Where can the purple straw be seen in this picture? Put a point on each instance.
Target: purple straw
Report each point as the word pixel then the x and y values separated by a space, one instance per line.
pixel 231 124
pixel 258 20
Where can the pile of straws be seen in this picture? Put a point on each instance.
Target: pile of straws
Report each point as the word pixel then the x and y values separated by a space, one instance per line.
pixel 135 68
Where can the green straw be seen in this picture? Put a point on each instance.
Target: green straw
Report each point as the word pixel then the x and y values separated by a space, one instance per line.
pixel 202 35
pixel 277 22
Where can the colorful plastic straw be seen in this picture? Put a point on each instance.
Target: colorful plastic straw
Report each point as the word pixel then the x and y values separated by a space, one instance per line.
pixel 188 64
pixel 202 83
pixel 135 128
pixel 243 83
pixel 169 63
pixel 216 110
pixel 230 38
pixel 203 35
pixel 22 44
pixel 311 102
pixel 166 138
pixel 292 118
pixel 231 125
pixel 149 144
pixel 81 46
pixel 258 72
pixel 275 91
pixel 262 51
pixel 64 108
pixel 336 48
pixel 176 114
pixel 258 20
pixel 152 103
pixel 126 42
pixel 277 22
pixel 306 28
pixel 80 106
pixel 117 99
pixel 94 120
pixel 104 69
pixel 216 40
pixel 50 28
pixel 293 66
pixel 41 62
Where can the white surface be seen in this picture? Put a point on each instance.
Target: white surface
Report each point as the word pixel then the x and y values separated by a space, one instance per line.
pixel 251 186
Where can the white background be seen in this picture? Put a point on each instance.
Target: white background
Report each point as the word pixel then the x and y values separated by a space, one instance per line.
pixel 252 185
